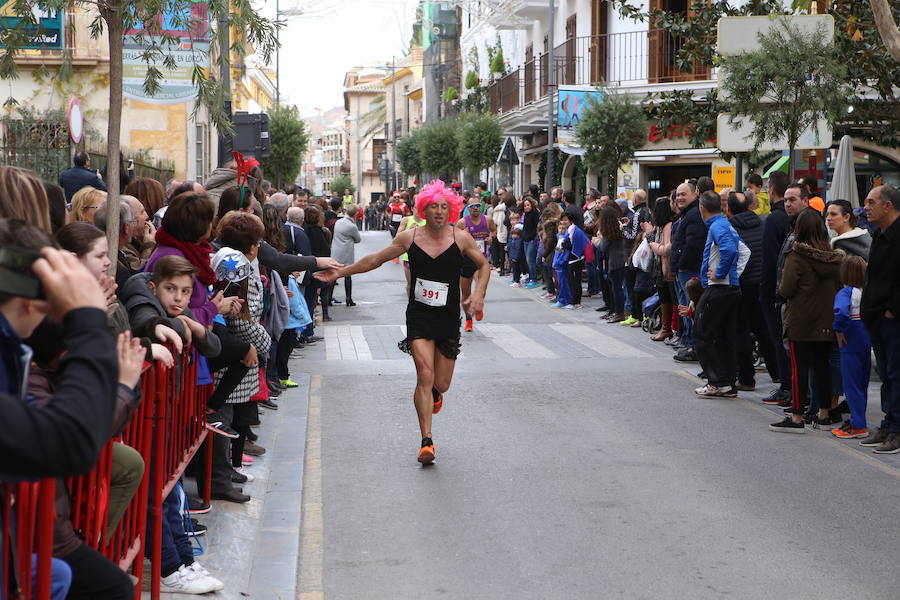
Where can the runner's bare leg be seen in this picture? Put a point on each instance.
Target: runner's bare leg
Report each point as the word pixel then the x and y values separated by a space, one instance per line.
pixel 465 290
pixel 423 353
pixel 443 371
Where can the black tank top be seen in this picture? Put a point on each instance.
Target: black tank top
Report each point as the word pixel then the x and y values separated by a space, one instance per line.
pixel 433 311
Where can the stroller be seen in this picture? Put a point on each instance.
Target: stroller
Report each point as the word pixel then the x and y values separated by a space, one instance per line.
pixel 652 322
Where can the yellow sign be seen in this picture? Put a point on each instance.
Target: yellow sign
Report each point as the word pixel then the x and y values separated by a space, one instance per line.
pixel 723 177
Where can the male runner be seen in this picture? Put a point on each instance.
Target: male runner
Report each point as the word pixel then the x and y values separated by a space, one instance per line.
pixel 397 209
pixel 482 231
pixel 436 253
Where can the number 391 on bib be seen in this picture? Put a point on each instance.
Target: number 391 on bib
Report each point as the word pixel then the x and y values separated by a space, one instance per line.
pixel 431 293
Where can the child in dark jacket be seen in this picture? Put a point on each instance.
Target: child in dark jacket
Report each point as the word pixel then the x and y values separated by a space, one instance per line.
pixel 515 248
pixel 161 298
pixel 855 346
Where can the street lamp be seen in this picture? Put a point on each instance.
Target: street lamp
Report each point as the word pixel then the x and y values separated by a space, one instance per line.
pixel 288 12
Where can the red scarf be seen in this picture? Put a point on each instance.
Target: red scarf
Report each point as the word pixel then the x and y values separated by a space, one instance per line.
pixel 196 253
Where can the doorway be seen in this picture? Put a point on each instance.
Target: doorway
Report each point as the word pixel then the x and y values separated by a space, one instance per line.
pixel 663 179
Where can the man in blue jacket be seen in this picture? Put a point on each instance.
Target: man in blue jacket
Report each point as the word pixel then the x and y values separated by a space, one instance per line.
pixel 79 176
pixel 715 325
pixel 689 239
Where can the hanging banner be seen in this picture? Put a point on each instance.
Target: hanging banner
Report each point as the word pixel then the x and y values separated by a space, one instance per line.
pixel 189 51
pixel 46 34
pixel 570 102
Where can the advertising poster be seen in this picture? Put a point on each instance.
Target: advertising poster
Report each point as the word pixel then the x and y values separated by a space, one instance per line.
pixel 190 50
pixel 47 34
pixel 569 105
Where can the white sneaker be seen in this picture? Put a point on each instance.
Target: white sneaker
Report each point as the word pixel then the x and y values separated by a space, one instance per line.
pixel 185 581
pixel 243 471
pixel 202 573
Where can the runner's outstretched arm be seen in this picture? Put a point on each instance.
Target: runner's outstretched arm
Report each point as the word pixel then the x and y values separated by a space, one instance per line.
pixel 372 261
pixel 468 247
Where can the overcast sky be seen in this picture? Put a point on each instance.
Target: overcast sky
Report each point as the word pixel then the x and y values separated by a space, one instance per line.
pixel 317 51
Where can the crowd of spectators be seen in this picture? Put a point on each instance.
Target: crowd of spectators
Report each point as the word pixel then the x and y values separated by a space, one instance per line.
pixel 226 271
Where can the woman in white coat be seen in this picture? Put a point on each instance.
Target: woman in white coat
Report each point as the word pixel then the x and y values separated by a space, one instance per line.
pixel 346 234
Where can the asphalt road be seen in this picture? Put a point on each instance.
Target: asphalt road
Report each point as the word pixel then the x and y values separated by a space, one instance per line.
pixel 573 461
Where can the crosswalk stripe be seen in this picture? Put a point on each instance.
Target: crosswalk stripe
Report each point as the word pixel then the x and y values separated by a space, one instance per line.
pixel 600 343
pixel 346 342
pixel 513 342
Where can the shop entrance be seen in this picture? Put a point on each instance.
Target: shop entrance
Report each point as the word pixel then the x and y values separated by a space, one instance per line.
pixel 662 180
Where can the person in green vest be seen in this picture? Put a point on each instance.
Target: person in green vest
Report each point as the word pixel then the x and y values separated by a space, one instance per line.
pixel 348 199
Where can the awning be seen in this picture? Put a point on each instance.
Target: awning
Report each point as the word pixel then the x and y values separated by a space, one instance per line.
pixel 782 164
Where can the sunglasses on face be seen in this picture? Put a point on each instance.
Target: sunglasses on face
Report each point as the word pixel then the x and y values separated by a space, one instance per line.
pixel 478 206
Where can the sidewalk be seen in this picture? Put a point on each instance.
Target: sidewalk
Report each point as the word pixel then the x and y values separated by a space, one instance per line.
pixel 254 548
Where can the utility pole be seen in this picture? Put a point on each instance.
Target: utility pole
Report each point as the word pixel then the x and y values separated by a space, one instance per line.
pixel 225 139
pixel 394 122
pixel 277 58
pixel 551 105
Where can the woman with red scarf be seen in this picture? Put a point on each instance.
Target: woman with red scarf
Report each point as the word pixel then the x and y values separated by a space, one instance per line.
pixel 184 232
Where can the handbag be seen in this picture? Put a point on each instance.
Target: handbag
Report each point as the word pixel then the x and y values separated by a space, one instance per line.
pixel 263 393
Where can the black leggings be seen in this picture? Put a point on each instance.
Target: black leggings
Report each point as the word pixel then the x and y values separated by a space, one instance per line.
pixel 574 273
pixel 233 351
pixel 283 352
pixel 810 358
pixel 348 289
pixel 95 576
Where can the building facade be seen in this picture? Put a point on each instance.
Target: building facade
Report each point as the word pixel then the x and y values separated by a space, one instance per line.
pixel 366 117
pixel 592 45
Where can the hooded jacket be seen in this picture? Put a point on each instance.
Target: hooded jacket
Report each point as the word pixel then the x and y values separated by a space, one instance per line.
pixel 856 241
pixel 750 227
pixel 220 180
pixel 145 312
pixel 720 253
pixel 810 280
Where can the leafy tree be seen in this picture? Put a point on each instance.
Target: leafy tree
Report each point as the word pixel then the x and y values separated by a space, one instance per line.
pixel 786 86
pixel 438 148
pixel 472 81
pixel 408 153
pixel 119 16
pixel 480 140
pixel 289 140
pixel 342 182
pixel 885 22
pixel 611 131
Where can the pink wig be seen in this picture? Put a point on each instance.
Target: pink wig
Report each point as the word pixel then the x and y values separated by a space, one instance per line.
pixel 436 191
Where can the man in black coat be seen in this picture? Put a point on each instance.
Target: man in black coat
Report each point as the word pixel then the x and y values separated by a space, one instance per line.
pixel 750 227
pixel 690 240
pixel 79 176
pixel 880 311
pixel 777 227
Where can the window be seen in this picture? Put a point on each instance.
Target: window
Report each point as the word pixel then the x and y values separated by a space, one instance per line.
pixel 378 147
pixel 201 148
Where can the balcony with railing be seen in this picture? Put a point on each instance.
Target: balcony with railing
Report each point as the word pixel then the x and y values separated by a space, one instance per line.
pixel 616 59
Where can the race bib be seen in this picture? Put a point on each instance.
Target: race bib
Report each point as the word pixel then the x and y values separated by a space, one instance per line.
pixel 431 293
pixel 396 218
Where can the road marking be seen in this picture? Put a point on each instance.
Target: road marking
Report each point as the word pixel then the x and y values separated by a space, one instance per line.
pixel 310 584
pixel 514 342
pixel 600 343
pixel 346 342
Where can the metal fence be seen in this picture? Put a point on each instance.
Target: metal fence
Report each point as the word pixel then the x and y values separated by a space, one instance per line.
pixel 43 146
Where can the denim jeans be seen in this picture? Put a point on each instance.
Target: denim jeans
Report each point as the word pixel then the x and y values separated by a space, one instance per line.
pixel 176 546
pixel 617 290
pixel 60 577
pixel 531 259
pixel 683 277
pixel 593 274
pixel 885 336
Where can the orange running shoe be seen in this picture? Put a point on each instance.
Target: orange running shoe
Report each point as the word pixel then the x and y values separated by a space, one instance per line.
pixel 438 401
pixel 468 324
pixel 849 434
pixel 479 315
pixel 426 452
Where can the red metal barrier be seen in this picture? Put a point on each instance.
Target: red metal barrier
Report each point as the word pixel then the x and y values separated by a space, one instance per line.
pixel 167 429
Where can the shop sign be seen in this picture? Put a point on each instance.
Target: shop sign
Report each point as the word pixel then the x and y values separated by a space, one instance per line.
pixel 723 177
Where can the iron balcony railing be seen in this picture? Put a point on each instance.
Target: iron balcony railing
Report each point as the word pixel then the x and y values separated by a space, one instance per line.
pixel 634 57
